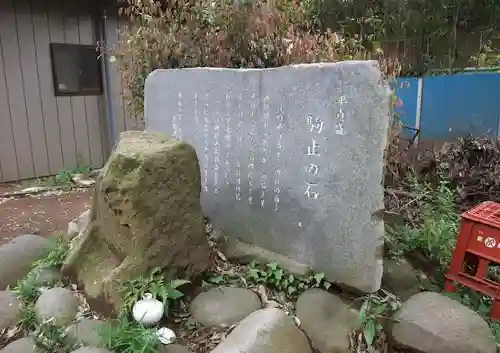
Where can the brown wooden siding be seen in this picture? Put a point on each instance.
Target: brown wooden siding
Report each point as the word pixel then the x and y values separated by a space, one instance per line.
pixel 40 133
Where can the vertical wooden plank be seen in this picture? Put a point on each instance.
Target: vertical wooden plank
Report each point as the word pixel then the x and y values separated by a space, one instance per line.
pixel 131 120
pixel 65 114
pixel 8 160
pixel 104 129
pixel 31 86
pixel 72 33
pixel 49 102
pixel 91 102
pixel 115 77
pixel 14 79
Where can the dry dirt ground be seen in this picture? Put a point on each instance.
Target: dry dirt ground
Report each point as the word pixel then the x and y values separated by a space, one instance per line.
pixel 43 214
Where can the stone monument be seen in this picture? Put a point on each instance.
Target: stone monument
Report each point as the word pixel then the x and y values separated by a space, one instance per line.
pixel 292 158
pixel 145 214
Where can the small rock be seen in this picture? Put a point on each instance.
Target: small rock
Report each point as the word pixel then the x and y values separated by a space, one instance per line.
pixel 83 180
pixel 23 345
pixel 45 275
pixel 58 303
pixel 400 278
pixel 85 332
pixel 265 331
pixel 10 307
pixel 174 348
pixel 78 225
pixel 91 350
pixel 17 257
pixel 224 306
pixel 432 323
pixel 326 319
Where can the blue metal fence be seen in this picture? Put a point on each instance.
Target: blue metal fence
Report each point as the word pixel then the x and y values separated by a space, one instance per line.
pixel 451 105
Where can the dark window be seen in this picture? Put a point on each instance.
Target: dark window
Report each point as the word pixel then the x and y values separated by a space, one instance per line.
pixel 76 69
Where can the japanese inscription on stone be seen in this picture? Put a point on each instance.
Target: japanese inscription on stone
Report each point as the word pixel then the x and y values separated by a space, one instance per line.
pixel 291 159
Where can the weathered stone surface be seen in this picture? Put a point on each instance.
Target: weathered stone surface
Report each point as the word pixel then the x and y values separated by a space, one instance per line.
pixel 10 308
pixel 91 350
pixel 265 331
pixel 45 275
pixel 235 249
pixel 173 348
pixel 78 225
pixel 400 278
pixel 86 332
pixel 58 303
pixel 17 257
pixel 326 319
pixel 224 306
pixel 23 345
pixel 146 213
pixel 292 157
pixel 432 323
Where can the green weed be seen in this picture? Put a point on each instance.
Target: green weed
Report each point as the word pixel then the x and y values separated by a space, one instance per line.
pixel 56 256
pixel 62 178
pixel 50 337
pixel 124 336
pixel 27 290
pixel 371 316
pixel 435 233
pixel 65 175
pixel 27 318
pixel 274 276
pixel 156 284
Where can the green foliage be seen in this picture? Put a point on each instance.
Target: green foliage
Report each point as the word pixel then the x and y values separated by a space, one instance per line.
pixel 474 300
pixel 275 277
pixel 440 24
pixel 156 284
pixel 65 175
pixel 435 233
pixel 373 311
pixel 50 337
pixel 27 290
pixel 124 336
pixel 27 318
pixel 57 254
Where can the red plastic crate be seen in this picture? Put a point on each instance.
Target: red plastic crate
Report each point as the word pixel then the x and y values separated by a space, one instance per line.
pixel 478 246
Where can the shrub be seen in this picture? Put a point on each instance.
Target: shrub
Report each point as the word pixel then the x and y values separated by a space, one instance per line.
pixel 203 33
pixel 434 232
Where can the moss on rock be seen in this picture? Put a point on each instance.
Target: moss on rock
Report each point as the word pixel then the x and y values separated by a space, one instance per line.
pixel 146 213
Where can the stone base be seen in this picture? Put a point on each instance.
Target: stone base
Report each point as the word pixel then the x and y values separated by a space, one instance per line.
pixel 237 250
pixel 145 214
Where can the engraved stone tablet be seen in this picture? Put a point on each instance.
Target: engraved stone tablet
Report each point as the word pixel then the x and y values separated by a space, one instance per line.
pixel 291 158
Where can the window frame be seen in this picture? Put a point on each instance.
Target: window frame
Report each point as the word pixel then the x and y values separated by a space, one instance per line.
pixel 97 91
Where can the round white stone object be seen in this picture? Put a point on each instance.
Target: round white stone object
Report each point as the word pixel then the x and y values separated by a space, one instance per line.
pixel 148 311
pixel 166 335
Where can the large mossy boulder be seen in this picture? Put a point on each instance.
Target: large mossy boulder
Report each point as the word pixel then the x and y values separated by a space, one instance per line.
pixel 146 213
